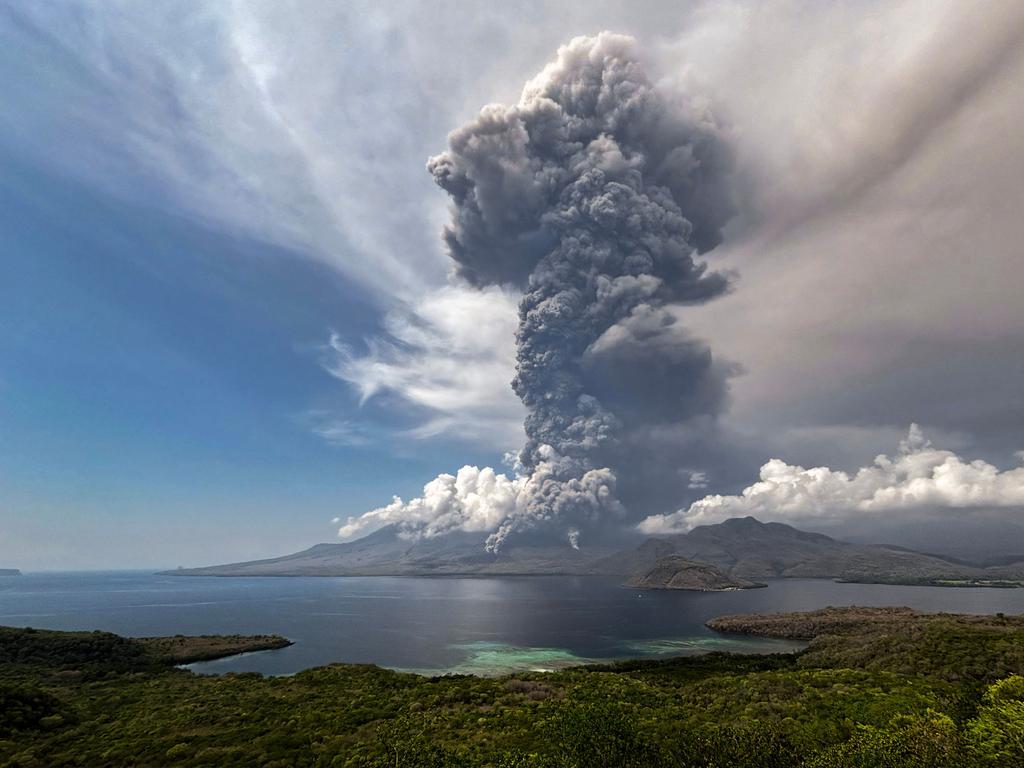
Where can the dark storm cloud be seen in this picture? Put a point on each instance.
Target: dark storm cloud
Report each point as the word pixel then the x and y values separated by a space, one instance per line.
pixel 593 195
pixel 649 370
pixel 593 110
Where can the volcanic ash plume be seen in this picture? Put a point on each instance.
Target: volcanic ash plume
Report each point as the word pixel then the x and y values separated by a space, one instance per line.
pixel 592 196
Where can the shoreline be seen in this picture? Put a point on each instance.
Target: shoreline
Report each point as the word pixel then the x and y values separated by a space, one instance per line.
pixel 943 583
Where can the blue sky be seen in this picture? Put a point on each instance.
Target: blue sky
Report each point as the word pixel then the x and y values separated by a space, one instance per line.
pixel 164 379
pixel 226 314
pixel 168 296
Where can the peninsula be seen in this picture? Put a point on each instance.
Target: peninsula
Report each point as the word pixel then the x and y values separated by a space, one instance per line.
pixel 891 687
pixel 677 572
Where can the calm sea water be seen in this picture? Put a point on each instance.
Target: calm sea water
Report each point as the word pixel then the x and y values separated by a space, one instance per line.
pixel 475 625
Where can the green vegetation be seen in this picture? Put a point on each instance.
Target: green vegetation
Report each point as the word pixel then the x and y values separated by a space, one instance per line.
pixel 874 689
pixel 911 581
pixel 101 653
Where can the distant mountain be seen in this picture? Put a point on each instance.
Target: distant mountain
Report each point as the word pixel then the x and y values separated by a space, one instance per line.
pixel 741 548
pixel 385 553
pixel 985 537
pixel 747 548
pixel 9 572
pixel 676 572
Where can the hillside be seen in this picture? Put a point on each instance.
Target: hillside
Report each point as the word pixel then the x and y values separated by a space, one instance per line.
pixel 743 548
pixel 969 646
pixel 676 572
pixel 385 553
pixel 891 688
pixel 99 653
pixel 747 548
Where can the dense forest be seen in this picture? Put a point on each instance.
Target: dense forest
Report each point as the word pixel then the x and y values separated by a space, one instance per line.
pixel 890 689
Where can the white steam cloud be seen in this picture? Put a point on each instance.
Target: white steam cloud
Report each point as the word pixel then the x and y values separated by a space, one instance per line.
pixel 482 500
pixel 574 538
pixel 919 477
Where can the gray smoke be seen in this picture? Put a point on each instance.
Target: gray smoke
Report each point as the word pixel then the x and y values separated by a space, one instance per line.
pixel 593 195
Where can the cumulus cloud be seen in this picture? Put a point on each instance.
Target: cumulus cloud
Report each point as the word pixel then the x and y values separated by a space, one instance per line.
pixel 919 477
pixel 486 501
pixel 473 499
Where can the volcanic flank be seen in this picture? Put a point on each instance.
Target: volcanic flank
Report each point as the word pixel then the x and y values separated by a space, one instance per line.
pixel 742 550
pixel 592 196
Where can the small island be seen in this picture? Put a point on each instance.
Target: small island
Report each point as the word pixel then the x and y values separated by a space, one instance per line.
pixel 677 572
pixel 9 572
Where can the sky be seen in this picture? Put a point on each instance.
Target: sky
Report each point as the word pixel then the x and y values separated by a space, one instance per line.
pixel 229 319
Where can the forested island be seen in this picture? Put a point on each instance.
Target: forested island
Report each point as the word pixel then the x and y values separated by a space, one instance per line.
pixel 875 687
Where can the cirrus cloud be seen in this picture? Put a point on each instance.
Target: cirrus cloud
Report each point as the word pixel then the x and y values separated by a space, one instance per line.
pixel 451 357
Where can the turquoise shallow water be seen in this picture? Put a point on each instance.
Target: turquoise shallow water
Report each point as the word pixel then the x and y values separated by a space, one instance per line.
pixel 441 625
pixel 489 658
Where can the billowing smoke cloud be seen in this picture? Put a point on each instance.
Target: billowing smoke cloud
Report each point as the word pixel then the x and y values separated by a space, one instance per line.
pixel 593 196
pixel 482 500
pixel 919 477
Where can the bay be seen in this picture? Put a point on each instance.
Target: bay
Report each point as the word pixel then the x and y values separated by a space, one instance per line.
pixel 442 625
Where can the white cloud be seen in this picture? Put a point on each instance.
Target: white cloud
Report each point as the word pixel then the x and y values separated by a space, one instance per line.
pixel 919 477
pixel 485 501
pixel 473 499
pixel 453 355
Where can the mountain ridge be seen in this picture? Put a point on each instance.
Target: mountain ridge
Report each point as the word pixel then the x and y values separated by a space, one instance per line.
pixel 742 548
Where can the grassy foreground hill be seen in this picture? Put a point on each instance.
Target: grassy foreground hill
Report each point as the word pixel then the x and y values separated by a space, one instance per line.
pixel 875 688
